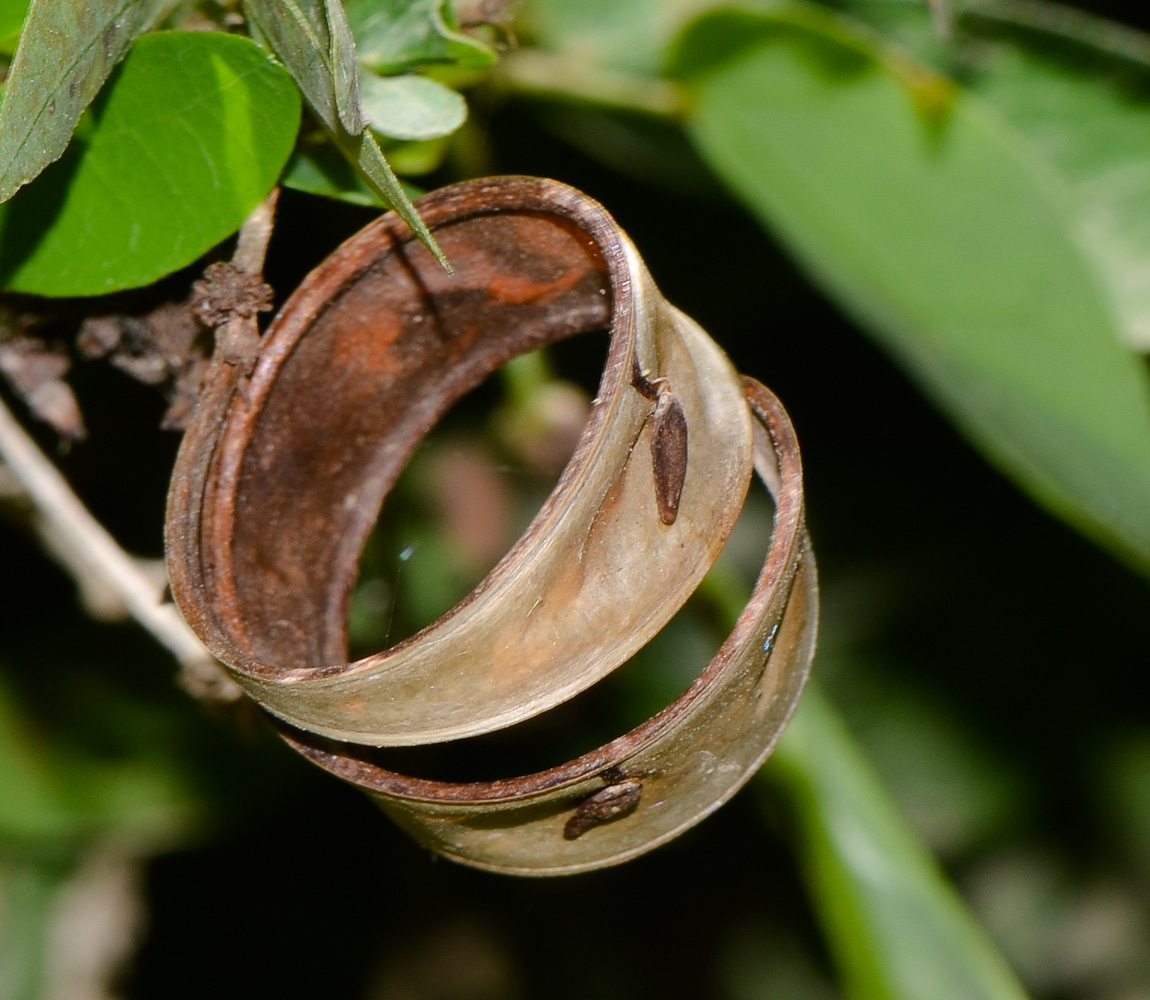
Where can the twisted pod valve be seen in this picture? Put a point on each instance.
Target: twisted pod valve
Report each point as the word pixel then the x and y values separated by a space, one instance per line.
pixel 282 474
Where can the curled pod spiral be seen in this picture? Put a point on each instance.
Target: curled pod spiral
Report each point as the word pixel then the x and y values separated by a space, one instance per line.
pixel 282 475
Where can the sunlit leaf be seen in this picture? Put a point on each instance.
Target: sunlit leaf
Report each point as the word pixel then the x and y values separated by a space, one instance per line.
pixel 192 134
pixel 411 107
pixel 397 35
pixel 66 51
pixel 897 929
pixel 932 221
pixel 299 34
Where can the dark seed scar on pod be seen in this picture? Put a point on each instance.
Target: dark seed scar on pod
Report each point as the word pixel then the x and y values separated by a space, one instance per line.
pixel 618 799
pixel 668 443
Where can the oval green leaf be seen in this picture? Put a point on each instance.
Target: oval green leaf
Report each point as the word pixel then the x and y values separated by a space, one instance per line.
pixel 411 107
pixel 190 136
pixel 1079 92
pixel 394 36
pixel 932 221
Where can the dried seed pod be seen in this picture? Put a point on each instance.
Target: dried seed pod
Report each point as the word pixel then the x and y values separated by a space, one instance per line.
pixel 278 485
pixel 281 477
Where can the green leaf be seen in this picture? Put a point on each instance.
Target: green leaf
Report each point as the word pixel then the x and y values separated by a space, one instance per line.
pixel 956 794
pixel 66 51
pixel 54 792
pixel 411 107
pixel 299 34
pixel 415 158
pixel 345 68
pixel 897 929
pixel 1079 93
pixel 190 136
pixel 29 888
pixel 318 52
pixel 632 36
pixel 394 36
pixel 1093 128
pixel 11 19
pixel 324 171
pixel 934 223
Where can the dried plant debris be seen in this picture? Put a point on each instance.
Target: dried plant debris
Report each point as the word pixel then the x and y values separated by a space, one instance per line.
pixel 165 345
pixel 160 347
pixel 498 13
pixel 35 369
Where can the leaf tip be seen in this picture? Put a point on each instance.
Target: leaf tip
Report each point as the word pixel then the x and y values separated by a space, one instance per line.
pixel 440 256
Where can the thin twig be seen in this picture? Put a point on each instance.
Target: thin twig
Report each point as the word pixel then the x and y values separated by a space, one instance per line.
pixel 86 549
pixel 252 245
pixel 941 17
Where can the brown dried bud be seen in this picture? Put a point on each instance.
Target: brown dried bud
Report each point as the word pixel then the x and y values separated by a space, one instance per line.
pixel 35 370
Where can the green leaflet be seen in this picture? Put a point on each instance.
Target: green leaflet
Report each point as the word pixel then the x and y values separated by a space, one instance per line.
pixel 411 107
pixel 11 18
pixel 67 49
pixel 324 171
pixel 1094 129
pixel 1079 93
pixel 191 134
pixel 898 931
pixel 934 222
pixel 312 41
pixel 398 35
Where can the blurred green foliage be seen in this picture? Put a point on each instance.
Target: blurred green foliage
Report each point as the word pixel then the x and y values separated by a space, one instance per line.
pixel 875 211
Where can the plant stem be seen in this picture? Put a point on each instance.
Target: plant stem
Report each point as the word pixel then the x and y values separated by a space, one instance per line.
pixel 1106 36
pixel 85 548
pixel 569 78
